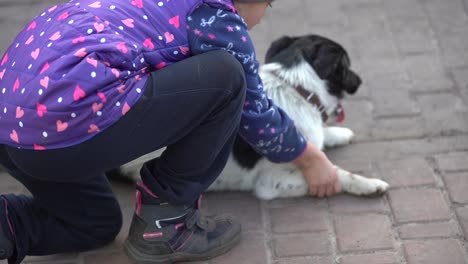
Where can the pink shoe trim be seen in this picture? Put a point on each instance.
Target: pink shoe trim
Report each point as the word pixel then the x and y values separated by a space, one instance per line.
pixel 152 235
pixel 179 225
pixel 185 242
pixel 200 201
pixel 138 202
pixel 142 185
pixel 10 226
pixel 183 233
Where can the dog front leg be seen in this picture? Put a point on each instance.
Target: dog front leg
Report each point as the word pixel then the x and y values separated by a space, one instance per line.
pixel 361 186
pixel 337 136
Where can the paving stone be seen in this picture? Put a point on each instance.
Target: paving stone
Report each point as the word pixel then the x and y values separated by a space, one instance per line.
pixel 363 232
pixel 461 77
pixel 435 252
pixel 309 260
pixel 299 218
pixel 246 210
pixel 414 37
pixel 392 128
pixel 453 161
pixel 376 258
pixel 457 185
pixel 462 214
pixel 301 245
pixel 398 149
pixel 410 205
pixel 407 172
pixel 358 110
pixel 56 258
pixel 345 203
pixel 429 230
pixel 427 73
pixel 251 250
pixel 117 257
pixel 9 184
pixel 388 89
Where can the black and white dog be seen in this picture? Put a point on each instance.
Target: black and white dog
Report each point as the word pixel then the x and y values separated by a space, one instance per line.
pixel 306 76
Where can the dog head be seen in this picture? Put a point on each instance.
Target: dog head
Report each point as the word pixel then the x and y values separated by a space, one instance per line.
pixel 328 58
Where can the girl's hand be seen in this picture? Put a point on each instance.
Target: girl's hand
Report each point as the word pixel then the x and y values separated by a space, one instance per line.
pixel 320 174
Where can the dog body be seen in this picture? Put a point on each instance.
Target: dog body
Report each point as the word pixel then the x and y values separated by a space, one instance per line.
pixel 307 77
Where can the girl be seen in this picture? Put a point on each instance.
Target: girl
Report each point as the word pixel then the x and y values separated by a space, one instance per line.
pixel 90 85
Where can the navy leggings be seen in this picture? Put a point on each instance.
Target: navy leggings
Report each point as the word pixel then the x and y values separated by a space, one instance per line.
pixel 193 107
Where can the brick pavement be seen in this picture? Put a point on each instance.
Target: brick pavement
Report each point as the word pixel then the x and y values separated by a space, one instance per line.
pixel 411 126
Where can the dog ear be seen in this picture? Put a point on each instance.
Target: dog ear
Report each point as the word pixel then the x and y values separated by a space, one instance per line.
pixel 326 61
pixel 277 46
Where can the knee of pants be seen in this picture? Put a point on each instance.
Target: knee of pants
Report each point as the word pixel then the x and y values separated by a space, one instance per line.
pixel 105 228
pixel 228 70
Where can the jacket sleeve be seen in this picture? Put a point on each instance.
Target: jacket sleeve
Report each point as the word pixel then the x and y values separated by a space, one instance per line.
pixel 265 126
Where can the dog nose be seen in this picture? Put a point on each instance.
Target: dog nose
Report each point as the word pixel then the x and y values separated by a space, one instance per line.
pixel 354 82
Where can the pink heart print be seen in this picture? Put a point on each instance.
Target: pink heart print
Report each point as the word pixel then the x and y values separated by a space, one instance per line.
pixel 14 136
pixel 148 43
pixel 160 65
pixel 102 96
pixel 32 26
pixel 92 61
pixel 121 88
pixel 138 3
pixel 95 5
pixel 81 53
pixel 38 147
pixel 29 40
pixel 61 126
pixel 35 53
pixel 97 107
pixel 45 68
pixel 63 16
pixel 175 21
pixel 184 50
pixel 78 40
pixel 169 37
pixel 16 85
pixel 44 82
pixel 128 22
pixel 93 128
pixel 56 36
pixel 2 73
pixel 115 72
pixel 125 108
pixel 41 109
pixel 4 60
pixel 122 47
pixel 78 93
pixel 52 8
pixel 19 112
pixel 99 27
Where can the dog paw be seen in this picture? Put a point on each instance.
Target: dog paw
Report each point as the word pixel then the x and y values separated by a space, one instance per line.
pixel 338 136
pixel 375 188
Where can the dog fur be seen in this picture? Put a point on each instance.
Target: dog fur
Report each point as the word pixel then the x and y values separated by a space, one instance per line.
pixel 320 66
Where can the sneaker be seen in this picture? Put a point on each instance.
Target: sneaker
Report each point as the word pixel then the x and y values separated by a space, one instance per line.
pixel 165 233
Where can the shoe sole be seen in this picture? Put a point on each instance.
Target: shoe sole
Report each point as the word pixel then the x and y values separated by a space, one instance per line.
pixel 142 258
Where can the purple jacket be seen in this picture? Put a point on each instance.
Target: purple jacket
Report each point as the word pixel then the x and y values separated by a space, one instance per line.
pixel 79 66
